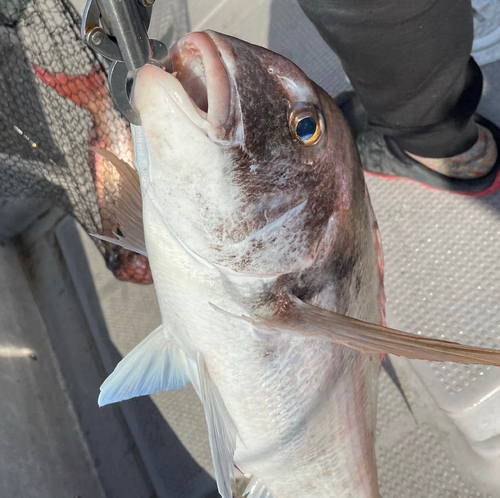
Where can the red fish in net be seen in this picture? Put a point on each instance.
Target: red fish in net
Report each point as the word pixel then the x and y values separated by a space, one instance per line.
pixel 90 92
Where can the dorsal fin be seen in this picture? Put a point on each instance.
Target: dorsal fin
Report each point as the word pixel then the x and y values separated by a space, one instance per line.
pixel 128 205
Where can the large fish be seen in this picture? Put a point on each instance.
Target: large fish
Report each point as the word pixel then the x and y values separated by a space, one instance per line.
pixel 261 239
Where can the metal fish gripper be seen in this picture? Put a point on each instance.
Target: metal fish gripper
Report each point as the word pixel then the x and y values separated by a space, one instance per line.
pixel 117 30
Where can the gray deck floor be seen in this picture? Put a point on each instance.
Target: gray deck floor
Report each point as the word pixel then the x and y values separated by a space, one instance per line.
pixel 42 452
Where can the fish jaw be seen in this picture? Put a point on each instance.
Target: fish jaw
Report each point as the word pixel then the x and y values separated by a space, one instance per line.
pixel 199 67
pixel 199 86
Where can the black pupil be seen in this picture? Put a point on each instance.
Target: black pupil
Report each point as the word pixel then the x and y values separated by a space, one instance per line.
pixel 306 128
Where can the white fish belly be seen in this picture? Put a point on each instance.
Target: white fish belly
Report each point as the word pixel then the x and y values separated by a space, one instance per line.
pixel 304 408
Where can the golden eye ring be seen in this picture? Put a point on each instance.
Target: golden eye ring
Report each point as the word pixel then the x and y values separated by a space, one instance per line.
pixel 306 126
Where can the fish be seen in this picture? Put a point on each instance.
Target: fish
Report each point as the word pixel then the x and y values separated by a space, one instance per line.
pixel 248 197
pixel 90 92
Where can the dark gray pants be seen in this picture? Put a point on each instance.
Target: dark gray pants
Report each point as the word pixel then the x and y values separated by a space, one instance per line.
pixel 409 62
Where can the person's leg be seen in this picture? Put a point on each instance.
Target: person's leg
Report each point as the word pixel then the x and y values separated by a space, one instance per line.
pixel 409 63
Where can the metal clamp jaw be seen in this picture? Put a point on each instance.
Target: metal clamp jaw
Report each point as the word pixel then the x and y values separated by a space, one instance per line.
pixel 117 30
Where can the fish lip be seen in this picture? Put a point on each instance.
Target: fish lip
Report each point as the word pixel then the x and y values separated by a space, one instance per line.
pixel 197 62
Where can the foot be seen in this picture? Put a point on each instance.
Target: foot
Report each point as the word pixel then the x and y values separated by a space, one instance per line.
pixel 473 173
pixel 476 162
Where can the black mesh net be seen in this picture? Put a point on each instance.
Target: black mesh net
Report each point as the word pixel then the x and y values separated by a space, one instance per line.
pixel 54 105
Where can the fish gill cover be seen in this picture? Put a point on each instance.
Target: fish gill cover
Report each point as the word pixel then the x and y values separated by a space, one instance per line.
pixel 54 105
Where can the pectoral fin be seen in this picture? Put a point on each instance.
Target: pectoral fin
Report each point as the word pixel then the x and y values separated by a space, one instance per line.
pixel 154 365
pixel 310 321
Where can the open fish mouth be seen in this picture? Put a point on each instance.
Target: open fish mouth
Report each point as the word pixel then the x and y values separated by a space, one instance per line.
pixel 199 68
pixel 200 85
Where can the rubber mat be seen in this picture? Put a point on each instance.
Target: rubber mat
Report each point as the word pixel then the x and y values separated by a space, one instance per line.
pixel 442 281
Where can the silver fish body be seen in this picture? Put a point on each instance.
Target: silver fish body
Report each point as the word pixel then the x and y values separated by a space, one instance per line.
pixel 304 409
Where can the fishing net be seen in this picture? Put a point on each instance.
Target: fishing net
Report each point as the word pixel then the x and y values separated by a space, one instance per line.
pixel 55 106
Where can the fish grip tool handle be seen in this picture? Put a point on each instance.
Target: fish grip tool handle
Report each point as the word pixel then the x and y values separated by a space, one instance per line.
pixel 117 30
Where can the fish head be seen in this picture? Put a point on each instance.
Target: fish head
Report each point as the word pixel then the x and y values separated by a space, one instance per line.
pixel 250 164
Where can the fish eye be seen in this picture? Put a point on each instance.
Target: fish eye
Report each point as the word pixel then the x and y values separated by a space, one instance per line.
pixel 306 126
